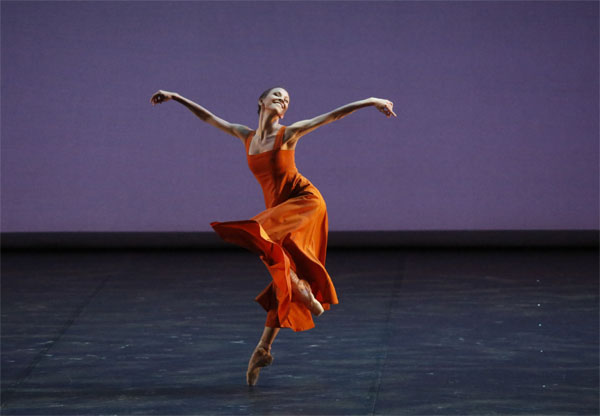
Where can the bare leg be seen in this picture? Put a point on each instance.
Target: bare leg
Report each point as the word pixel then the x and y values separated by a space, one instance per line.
pixel 261 357
pixel 267 338
pixel 301 290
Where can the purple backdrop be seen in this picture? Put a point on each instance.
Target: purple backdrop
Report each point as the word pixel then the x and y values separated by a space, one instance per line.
pixel 497 108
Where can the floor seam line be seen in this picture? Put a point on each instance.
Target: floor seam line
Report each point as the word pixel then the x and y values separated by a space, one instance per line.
pixel 40 355
pixel 393 302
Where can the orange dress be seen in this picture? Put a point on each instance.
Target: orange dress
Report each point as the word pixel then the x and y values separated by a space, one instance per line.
pixel 290 234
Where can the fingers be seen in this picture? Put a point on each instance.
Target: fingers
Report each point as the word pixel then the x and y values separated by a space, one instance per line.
pixel 157 98
pixel 160 97
pixel 389 107
pixel 387 110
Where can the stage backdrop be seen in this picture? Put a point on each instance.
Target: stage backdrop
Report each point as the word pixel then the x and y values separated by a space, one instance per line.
pixel 497 107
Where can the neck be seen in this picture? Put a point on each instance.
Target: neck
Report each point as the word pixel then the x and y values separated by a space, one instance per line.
pixel 267 124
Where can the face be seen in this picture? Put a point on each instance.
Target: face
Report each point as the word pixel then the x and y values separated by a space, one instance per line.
pixel 277 100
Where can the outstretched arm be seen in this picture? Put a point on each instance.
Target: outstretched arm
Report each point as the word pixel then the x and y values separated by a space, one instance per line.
pixel 300 128
pixel 238 130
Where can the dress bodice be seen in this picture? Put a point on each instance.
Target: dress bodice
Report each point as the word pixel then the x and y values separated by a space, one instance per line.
pixel 276 172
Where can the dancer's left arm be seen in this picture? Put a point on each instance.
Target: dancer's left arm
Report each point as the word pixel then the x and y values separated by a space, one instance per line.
pixel 300 128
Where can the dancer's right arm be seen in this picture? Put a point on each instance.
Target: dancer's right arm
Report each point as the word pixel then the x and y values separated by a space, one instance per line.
pixel 238 130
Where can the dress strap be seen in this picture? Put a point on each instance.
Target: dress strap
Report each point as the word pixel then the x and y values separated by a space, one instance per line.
pixel 279 138
pixel 248 140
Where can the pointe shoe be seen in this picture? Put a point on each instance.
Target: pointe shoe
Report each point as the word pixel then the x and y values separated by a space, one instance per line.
pixel 260 358
pixel 306 296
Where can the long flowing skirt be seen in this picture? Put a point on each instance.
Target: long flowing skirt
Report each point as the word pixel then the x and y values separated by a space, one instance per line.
pixel 291 235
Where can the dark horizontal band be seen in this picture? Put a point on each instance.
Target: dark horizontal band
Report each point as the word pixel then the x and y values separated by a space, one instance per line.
pixel 344 239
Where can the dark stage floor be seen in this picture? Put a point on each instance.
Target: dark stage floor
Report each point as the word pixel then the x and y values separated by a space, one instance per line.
pixel 477 332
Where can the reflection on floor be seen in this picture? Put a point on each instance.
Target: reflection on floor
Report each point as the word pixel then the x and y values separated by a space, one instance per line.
pixel 417 332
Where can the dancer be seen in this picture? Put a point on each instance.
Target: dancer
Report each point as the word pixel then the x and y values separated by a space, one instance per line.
pixel 290 236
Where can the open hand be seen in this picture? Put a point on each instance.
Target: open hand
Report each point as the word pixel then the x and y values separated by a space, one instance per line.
pixel 385 106
pixel 161 96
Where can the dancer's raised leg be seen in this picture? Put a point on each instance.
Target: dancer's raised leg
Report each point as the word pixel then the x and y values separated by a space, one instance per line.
pixel 261 357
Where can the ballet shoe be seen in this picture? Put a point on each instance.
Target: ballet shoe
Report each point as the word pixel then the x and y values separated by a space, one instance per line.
pixel 260 358
pixel 315 307
pixel 305 295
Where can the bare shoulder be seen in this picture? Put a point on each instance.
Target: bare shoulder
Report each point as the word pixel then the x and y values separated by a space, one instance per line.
pixel 293 129
pixel 290 136
pixel 240 131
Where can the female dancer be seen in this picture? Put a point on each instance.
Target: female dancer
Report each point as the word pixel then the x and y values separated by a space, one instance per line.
pixel 291 234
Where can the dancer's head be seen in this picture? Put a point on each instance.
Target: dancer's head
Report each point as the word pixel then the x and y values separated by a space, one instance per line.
pixel 275 99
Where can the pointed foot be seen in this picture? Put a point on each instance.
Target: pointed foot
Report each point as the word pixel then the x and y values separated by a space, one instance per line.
pixel 260 358
pixel 304 293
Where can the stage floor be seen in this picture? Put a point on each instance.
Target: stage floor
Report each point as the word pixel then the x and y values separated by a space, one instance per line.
pixel 427 332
